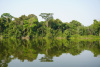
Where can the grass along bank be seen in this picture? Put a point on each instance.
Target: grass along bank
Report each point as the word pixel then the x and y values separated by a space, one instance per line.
pixel 85 37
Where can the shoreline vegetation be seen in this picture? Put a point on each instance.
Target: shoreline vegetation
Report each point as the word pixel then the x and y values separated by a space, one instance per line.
pixel 90 37
pixel 28 27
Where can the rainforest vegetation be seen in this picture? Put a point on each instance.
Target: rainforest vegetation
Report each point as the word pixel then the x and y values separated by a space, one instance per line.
pixel 58 38
pixel 30 27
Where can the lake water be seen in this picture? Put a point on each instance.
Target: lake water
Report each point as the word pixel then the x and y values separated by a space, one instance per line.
pixel 49 53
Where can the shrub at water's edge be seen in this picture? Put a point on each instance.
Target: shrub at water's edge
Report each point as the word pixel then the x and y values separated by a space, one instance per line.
pixel 86 37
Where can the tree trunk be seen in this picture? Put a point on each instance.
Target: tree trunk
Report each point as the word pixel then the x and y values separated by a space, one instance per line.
pixel 46 51
pixel 47 23
pixel 42 33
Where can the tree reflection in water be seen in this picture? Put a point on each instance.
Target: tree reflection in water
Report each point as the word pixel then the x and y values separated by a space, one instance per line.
pixel 29 49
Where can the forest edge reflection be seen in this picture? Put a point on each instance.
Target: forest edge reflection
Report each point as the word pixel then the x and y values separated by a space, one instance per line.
pixel 29 49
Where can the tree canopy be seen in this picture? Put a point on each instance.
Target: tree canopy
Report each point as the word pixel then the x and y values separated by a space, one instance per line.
pixel 29 26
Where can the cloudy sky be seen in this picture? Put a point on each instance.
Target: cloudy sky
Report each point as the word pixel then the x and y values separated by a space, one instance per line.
pixel 84 11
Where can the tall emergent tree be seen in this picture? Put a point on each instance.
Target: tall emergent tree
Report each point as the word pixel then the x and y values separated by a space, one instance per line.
pixel 6 15
pixel 96 26
pixel 46 17
pixel 4 20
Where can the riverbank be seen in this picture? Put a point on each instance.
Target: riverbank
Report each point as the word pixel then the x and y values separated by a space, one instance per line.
pixel 73 37
pixel 89 37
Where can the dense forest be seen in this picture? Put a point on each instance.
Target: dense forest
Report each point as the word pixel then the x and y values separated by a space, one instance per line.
pixel 29 26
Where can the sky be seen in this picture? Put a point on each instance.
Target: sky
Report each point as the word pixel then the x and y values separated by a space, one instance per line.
pixel 84 11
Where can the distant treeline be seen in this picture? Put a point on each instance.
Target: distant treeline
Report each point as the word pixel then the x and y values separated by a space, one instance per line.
pixel 29 26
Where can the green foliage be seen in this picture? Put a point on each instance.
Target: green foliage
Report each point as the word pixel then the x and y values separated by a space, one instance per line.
pixel 96 27
pixel 46 17
pixel 6 15
pixel 86 37
pixel 29 26
pixel 75 23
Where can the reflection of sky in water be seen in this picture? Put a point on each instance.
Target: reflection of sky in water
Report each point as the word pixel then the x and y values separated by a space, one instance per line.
pixel 85 59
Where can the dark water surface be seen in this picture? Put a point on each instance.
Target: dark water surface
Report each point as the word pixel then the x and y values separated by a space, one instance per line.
pixel 49 53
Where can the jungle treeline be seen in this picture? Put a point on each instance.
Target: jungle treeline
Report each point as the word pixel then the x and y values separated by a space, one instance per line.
pixel 29 26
